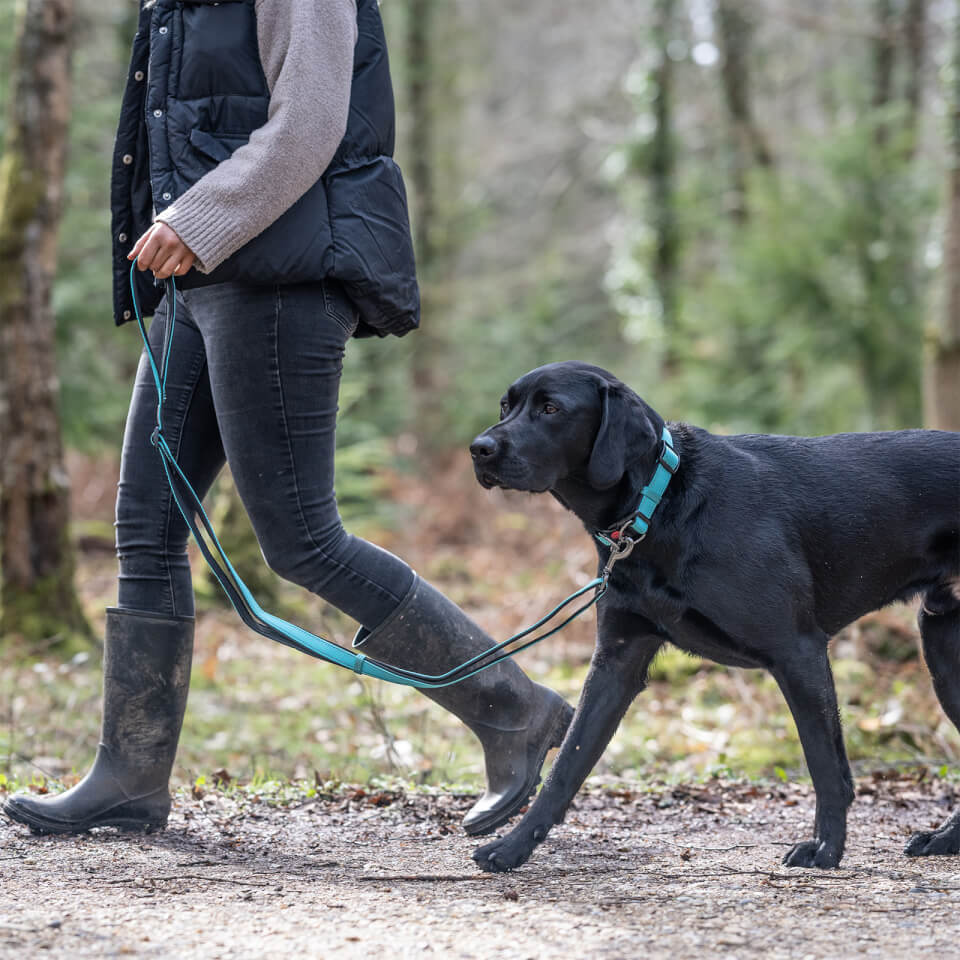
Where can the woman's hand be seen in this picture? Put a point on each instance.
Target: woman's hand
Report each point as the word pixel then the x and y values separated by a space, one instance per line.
pixel 163 252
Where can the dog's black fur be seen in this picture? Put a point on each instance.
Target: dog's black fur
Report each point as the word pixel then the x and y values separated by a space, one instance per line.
pixel 762 548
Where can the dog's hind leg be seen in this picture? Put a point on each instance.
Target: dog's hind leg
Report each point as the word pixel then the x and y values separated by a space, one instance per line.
pixel 940 629
pixel 807 684
pixel 617 674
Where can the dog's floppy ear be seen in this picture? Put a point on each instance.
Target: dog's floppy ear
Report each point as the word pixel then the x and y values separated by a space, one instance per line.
pixel 625 434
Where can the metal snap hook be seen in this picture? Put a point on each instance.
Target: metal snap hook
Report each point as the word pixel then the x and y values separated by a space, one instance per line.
pixel 622 548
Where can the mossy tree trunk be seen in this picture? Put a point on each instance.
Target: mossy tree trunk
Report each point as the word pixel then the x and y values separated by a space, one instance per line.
pixel 942 380
pixel 38 603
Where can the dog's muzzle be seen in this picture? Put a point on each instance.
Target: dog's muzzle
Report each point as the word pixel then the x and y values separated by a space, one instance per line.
pixel 484 450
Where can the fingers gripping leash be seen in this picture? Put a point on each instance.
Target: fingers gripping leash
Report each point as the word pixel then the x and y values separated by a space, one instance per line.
pixel 289 634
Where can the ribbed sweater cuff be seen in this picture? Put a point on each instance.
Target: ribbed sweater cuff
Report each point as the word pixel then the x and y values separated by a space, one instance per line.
pixel 211 231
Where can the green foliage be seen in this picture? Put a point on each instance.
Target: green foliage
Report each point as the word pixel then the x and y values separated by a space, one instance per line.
pixel 554 311
pixel 805 318
pixel 263 712
pixel 808 317
pixel 362 451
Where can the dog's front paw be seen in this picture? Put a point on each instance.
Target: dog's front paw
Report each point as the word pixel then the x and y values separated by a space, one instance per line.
pixel 510 852
pixel 934 843
pixel 813 853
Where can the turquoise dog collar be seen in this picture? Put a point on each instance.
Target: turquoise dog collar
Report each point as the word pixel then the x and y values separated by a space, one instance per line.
pixel 651 495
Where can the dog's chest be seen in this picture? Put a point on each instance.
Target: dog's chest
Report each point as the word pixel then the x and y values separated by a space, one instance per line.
pixel 648 591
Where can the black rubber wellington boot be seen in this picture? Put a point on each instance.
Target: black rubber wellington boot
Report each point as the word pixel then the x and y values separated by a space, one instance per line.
pixel 516 720
pixel 146 674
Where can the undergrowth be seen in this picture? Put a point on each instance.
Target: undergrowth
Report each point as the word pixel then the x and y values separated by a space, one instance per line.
pixel 260 713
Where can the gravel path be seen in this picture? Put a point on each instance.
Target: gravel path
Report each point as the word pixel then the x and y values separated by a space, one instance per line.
pixel 677 871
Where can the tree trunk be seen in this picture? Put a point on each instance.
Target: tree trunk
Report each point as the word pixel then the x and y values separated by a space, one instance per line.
pixel 427 360
pixel 749 145
pixel 663 167
pixel 915 37
pixel 38 603
pixel 884 53
pixel 942 380
pixel 433 109
pixel 420 22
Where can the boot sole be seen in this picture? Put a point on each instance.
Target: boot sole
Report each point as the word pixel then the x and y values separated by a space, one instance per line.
pixel 42 827
pixel 560 725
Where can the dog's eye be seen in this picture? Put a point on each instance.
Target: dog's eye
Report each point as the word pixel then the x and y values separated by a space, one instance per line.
pixel 550 408
pixel 504 408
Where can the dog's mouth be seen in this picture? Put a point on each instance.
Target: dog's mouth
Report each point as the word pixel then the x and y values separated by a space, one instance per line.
pixel 487 480
pixel 508 473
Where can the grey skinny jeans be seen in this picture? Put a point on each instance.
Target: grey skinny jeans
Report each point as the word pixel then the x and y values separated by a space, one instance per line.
pixel 254 376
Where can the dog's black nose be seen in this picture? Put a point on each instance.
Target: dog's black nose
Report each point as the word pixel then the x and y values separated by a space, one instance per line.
pixel 483 446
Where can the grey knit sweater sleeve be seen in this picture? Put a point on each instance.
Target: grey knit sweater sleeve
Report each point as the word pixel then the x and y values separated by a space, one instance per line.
pixel 306 48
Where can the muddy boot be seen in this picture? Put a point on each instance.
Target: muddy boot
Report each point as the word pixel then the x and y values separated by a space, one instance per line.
pixel 516 720
pixel 146 673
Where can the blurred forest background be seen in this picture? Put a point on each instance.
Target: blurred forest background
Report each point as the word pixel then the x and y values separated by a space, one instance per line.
pixel 741 207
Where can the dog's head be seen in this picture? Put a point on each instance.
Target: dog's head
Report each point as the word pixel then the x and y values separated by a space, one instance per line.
pixel 565 421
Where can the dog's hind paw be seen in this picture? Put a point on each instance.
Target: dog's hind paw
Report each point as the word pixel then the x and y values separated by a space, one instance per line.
pixel 934 843
pixel 812 853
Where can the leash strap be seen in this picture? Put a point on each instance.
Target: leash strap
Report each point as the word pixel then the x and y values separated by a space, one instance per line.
pixel 275 628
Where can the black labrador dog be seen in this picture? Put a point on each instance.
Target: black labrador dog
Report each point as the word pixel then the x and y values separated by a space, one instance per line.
pixel 761 548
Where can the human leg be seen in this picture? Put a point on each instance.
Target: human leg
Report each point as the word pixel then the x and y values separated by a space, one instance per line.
pixel 275 359
pixel 148 641
pixel 154 571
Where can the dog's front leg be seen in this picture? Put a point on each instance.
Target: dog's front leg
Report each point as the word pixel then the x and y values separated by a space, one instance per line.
pixel 617 674
pixel 806 680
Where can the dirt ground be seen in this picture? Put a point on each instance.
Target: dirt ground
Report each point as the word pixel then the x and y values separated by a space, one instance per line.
pixel 677 871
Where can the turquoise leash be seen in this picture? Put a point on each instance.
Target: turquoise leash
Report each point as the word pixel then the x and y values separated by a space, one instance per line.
pixel 289 634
